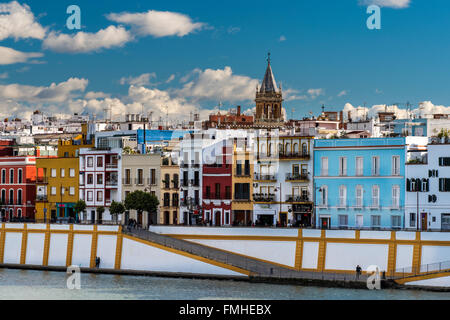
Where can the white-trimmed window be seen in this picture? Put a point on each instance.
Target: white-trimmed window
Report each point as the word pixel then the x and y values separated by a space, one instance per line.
pixel 395 165
pixel 63 172
pixel 324 196
pixel 396 221
pixel 53 191
pixel 375 166
pixel 20 176
pixel 3 176
pixel 359 166
pixel 343 220
pixel 342 166
pixel 72 172
pixel 375 221
pixel 99 195
pixel 412 219
pixel 89 195
pixel 11 176
pixel 72 191
pixel 396 196
pixel 324 167
pixel 53 173
pixel 375 196
pixel 359 196
pixel 342 196
pixel 90 162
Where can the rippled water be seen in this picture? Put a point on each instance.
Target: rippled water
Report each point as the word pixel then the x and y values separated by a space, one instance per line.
pixel 27 284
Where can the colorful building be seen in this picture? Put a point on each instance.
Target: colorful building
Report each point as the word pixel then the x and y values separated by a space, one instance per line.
pixel 359 182
pixel 169 204
pixel 17 187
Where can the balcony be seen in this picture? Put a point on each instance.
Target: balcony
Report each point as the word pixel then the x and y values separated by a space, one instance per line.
pixel 184 165
pixel 112 165
pixel 395 205
pixel 111 183
pixel 294 155
pixel 217 197
pixel 241 198
pixel 264 197
pixel 297 177
pixel 184 183
pixel 341 203
pixel 42 198
pixel 240 173
pixel 297 198
pixel 165 184
pixel 375 205
pixel 265 177
pixel 42 180
pixel 358 204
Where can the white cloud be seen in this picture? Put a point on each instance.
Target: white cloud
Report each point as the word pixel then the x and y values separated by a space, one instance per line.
pixel 282 38
pixel 171 78
pixel 11 56
pixel 314 93
pixel 396 4
pixel 158 23
pixel 219 85
pixel 233 30
pixel 83 42
pixel 342 93
pixel 96 95
pixel 54 93
pixel 142 80
pixel 18 22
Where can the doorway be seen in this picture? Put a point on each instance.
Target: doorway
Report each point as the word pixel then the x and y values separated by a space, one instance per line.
pixel 359 221
pixel 283 219
pixel 139 218
pixel 424 221
pixel 92 216
pixel 325 222
pixel 166 217
pixel 217 216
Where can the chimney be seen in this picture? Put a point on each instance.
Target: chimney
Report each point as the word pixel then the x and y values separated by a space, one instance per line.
pixel 238 110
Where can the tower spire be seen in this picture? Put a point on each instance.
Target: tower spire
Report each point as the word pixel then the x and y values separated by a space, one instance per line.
pixel 268 84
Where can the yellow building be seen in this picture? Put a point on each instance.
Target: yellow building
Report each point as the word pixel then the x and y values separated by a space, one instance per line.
pixel 169 205
pixel 242 183
pixel 57 180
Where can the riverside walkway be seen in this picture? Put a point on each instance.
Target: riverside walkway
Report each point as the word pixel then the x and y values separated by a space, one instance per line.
pixel 258 269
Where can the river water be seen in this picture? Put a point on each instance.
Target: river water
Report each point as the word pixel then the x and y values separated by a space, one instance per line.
pixel 33 285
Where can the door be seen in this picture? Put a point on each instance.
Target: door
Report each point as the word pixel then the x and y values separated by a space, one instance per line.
pixel 166 217
pixel 325 223
pixel 140 218
pixel 92 216
pixel 359 221
pixel 283 219
pixel 424 221
pixel 217 217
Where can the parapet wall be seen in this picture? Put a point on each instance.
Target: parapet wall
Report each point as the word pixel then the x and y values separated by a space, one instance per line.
pixel 323 250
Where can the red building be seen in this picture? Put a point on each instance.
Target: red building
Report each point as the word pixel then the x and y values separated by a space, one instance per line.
pixel 231 120
pixel 217 187
pixel 6 147
pixel 17 187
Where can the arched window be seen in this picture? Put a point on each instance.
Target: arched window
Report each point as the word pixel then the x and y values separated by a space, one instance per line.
pixel 19 213
pixel 304 149
pixel 19 196
pixel 3 198
pixel 11 196
pixel 269 151
pixel 263 149
pixel 11 176
pixel 167 181
pixel 280 148
pixel 4 176
pixel 288 148
pixel 19 176
pixel 295 147
pixel 11 213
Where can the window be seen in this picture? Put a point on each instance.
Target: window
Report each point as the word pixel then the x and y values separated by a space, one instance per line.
pixel 359 196
pixel 19 176
pixel 247 167
pixel 19 196
pixel 63 172
pixel 127 177
pixel 238 167
pixel 444 162
pixel 217 191
pixel 396 196
pixel 99 162
pixel 375 196
pixel 53 173
pixel 99 195
pixel 412 219
pixel 99 179
pixel 375 166
pixel 166 199
pixel 343 220
pixel 153 177
pixel 228 192
pixel 396 221
pixel 395 165
pixel 375 221
pixel 90 179
pixel 90 162
pixel 3 198
pixel 324 167
pixel 11 196
pixel 175 180
pixel 53 191
pixel 425 185
pixel 208 192
pixel 342 166
pixel 89 195
pixel 242 191
pixel 62 190
pixel 342 196
pixel 11 175
pixel 444 184
pixel 304 149
pixel 3 176
pixel 167 181
pixel 324 196
pixel 140 176
pixel 359 166
pixel 72 191
pixel 174 199
pixel 72 173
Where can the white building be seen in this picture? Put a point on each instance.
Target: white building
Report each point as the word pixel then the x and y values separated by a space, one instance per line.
pixel 100 181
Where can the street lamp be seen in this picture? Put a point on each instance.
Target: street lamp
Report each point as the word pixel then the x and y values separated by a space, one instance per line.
pixel 313 218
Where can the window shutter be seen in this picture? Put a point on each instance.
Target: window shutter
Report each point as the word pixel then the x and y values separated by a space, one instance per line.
pixel 430 173
pixel 408 185
pixel 437 173
pixel 428 185
pixel 430 198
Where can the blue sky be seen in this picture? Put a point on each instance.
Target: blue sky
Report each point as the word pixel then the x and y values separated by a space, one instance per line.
pixel 322 52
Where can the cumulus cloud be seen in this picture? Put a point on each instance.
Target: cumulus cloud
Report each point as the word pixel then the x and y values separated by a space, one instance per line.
pixel 282 38
pixel 54 93
pixel 18 22
pixel 96 95
pixel 342 93
pixel 158 23
pixel 142 80
pixel 11 56
pixel 83 42
pixel 219 85
pixel 396 4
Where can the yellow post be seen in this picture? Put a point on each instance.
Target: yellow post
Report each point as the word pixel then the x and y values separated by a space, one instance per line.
pixel 119 245
pixel 417 253
pixel 46 246
pixel 299 250
pixel 392 255
pixel 23 249
pixel 94 247
pixel 322 252
pixel 2 242
pixel 69 247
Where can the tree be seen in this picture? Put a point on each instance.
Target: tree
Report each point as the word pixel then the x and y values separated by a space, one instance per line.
pixel 141 201
pixel 79 206
pixel 116 209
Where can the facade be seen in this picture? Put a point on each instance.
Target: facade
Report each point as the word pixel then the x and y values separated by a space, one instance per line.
pixel 283 180
pixel 231 120
pixel 100 177
pixel 141 172
pixel 217 185
pixel 427 189
pixel 359 183
pixel 169 204
pixel 17 187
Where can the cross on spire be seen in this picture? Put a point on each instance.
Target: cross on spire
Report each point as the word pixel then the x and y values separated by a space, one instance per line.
pixel 268 57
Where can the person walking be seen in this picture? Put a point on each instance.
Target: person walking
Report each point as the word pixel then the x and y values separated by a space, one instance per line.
pixel 358 272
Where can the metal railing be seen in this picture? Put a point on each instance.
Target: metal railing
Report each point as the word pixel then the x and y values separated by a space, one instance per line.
pixel 296 176
pixel 263 197
pixel 265 177
pixel 294 198
pixel 424 269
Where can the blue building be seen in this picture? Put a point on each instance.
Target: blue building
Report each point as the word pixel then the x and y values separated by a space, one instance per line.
pixel 359 183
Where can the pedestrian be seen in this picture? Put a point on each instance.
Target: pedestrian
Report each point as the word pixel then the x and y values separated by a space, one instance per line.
pixel 358 272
